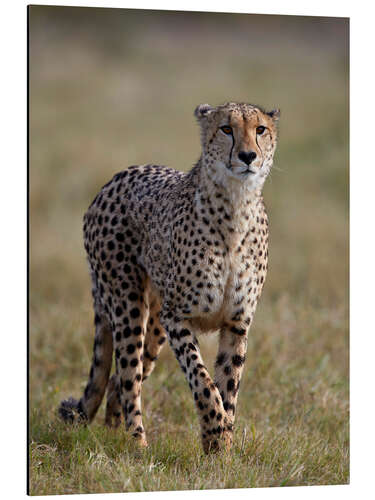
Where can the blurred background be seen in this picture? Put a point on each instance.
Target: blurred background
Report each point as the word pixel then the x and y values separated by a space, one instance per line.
pixel 110 88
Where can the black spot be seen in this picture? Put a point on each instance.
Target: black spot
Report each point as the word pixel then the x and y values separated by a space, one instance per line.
pixel 127 332
pixel 137 330
pixel 220 359
pixel 128 385
pixel 227 370
pixel 124 362
pixel 238 331
pixel 230 384
pixel 135 313
pixel 120 256
pixel 238 360
pixel 206 392
pixel 130 348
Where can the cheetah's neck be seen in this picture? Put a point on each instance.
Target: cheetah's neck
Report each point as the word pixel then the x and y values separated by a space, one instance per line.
pixel 230 205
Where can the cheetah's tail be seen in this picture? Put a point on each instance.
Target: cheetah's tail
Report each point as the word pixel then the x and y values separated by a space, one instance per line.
pixel 71 411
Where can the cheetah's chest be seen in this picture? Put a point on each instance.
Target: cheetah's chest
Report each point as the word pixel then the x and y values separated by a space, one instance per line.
pixel 231 290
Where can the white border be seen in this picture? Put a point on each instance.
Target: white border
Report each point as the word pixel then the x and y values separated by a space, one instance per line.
pixel 334 8
pixel 13 224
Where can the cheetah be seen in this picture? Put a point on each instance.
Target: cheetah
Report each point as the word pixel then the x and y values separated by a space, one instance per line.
pixel 173 255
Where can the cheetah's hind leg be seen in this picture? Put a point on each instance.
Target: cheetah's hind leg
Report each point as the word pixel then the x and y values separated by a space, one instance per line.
pixel 155 338
pixel 154 341
pixel 84 410
pixel 113 408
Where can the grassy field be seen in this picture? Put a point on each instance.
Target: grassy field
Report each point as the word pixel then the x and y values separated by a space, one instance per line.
pixel 113 88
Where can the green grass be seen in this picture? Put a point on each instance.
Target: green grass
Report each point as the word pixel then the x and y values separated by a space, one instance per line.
pixel 292 425
pixel 100 103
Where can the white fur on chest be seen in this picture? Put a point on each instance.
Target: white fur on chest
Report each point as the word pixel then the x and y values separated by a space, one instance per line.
pixel 231 294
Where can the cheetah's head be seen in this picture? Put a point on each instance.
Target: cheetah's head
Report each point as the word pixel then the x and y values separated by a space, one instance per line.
pixel 238 141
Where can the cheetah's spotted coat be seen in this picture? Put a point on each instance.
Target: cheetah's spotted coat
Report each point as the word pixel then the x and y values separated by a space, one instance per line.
pixel 173 255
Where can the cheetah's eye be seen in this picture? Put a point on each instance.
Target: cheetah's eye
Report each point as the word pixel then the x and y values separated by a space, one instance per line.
pixel 260 130
pixel 226 129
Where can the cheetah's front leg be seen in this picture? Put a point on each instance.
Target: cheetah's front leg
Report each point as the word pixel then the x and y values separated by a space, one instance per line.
pixel 228 369
pixel 212 416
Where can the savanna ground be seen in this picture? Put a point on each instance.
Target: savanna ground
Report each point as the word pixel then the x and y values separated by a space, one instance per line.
pixel 113 88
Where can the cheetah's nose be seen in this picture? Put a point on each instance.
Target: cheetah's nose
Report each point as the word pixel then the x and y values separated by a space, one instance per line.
pixel 247 157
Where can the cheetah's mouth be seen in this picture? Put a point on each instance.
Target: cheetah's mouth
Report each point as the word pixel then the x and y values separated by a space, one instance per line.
pixel 240 170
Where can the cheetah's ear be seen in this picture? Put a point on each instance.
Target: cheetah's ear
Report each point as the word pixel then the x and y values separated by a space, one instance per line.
pixel 203 110
pixel 274 114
